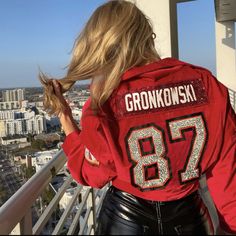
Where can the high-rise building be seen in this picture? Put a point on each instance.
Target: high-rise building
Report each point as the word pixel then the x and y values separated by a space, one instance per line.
pixel 13 95
pixel 15 122
pixel 10 105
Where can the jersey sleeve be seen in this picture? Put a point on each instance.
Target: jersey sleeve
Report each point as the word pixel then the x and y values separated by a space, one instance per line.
pixel 221 177
pixel 89 138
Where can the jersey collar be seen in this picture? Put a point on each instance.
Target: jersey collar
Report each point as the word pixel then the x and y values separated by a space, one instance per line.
pixel 165 63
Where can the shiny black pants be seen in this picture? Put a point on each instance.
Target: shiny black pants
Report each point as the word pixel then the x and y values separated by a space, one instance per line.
pixel 125 214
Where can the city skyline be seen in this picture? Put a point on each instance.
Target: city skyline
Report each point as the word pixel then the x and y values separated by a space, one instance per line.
pixel 40 35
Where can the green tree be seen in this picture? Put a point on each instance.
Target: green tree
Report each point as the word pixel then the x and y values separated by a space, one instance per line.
pixel 3 194
pixel 39 144
pixel 27 172
pixel 30 138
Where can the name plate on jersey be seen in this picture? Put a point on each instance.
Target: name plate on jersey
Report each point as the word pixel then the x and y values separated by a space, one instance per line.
pixel 160 98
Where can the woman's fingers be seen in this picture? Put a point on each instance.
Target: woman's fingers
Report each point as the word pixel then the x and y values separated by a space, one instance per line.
pixel 57 90
pixel 57 87
pixel 90 158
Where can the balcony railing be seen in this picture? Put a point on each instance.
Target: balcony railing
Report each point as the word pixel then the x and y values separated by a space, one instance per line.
pixel 232 96
pixel 79 215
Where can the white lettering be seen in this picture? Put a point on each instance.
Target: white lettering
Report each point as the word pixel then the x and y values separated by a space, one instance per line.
pixel 175 95
pixel 128 102
pixel 193 92
pixel 159 98
pixel 144 100
pixel 188 94
pixel 182 94
pixel 152 99
pixel 136 101
pixel 167 97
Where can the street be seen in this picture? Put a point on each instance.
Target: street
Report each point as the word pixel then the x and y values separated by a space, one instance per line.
pixel 9 181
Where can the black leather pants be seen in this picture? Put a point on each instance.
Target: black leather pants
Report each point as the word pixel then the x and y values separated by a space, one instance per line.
pixel 125 214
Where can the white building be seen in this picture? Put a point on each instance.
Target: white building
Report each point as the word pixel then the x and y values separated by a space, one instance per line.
pixel 36 125
pixel 42 158
pixel 65 200
pixel 7 115
pixel 13 95
pixel 16 122
pixel 10 105
pixel 52 120
pixel 77 113
pixel 8 141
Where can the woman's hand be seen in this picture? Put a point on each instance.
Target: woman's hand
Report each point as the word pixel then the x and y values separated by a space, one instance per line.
pixel 90 158
pixel 65 116
pixel 58 93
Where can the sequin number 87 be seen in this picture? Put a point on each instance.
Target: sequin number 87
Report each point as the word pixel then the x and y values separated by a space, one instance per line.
pixel 157 156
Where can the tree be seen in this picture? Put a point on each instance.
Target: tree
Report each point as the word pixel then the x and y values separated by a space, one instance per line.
pixel 27 172
pixel 39 144
pixel 3 194
pixel 30 138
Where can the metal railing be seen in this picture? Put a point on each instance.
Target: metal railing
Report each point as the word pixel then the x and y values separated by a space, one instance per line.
pixel 232 96
pixel 81 211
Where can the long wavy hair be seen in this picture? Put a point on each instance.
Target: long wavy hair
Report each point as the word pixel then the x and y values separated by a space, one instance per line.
pixel 117 36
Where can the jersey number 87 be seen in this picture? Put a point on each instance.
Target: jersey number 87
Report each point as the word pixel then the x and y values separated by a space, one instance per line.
pixel 157 157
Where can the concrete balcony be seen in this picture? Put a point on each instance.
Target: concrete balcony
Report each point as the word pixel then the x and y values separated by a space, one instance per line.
pixel 19 215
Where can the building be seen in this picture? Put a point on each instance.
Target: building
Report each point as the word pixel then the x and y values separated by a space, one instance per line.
pixel 13 140
pixel 66 198
pixel 17 122
pixel 13 95
pixel 10 105
pixel 40 159
pixel 11 114
pixel 2 128
pixel 77 113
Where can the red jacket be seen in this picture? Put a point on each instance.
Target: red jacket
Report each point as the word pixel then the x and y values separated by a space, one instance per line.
pixel 166 124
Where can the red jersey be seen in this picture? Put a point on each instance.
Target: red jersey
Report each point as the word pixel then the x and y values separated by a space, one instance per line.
pixel 166 124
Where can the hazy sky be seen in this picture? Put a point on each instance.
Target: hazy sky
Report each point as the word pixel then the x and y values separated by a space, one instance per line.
pixel 40 34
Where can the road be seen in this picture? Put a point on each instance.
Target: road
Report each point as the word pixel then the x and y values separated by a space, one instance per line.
pixel 9 181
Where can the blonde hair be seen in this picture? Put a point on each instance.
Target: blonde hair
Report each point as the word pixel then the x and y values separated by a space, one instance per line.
pixel 117 36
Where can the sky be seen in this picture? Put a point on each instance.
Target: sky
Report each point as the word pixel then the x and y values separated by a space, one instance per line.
pixel 39 34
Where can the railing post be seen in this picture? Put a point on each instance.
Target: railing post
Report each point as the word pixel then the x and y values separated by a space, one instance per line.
pixel 26 224
pixel 232 96
pixel 90 204
pixel 94 210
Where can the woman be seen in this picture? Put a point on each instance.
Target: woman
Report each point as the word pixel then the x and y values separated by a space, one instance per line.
pixel 151 127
